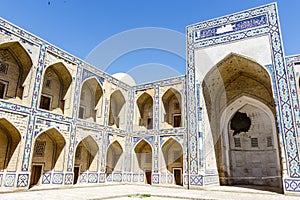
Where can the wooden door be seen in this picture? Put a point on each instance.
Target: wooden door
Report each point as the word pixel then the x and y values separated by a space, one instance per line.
pixel 76 174
pixel 177 176
pixel 148 177
pixel 36 173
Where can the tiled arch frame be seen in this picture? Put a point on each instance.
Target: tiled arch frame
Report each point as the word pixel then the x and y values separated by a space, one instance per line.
pixel 260 21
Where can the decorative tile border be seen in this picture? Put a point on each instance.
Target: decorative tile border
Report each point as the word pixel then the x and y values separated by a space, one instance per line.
pixel 68 179
pixel 102 177
pixel 117 177
pixel 46 178
pixel 269 26
pixel 92 178
pixel 196 180
pixel 155 178
pixel 292 185
pixel 10 180
pixel 58 178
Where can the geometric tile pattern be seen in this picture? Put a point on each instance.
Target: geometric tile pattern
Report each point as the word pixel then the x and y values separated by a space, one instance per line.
pixel 46 178
pixel 292 185
pixel 93 178
pixel 135 177
pixel 155 178
pixel 57 178
pixel 163 178
pixel 68 179
pixel 102 178
pixel 9 180
pixel 117 177
pixel 142 178
pixel 196 180
pixel 170 179
pixel 22 180
pixel 83 178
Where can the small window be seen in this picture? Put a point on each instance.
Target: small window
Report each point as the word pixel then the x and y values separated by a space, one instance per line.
pixel 148 158
pixel 3 67
pixel 2 90
pixel 237 142
pixel 39 149
pixel 254 142
pixel 48 83
pixel 177 120
pixel 81 112
pixel 269 141
pixel 45 102
pixel 176 106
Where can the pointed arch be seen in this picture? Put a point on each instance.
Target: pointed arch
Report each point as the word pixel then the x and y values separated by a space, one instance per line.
pixel 268 151
pixel 145 106
pixel 116 113
pixel 143 151
pixel 56 82
pixel 237 77
pixel 9 140
pixel 173 157
pixel 114 153
pixel 91 93
pixel 15 65
pixel 85 153
pixel 50 141
pixel 47 154
pixel 172 104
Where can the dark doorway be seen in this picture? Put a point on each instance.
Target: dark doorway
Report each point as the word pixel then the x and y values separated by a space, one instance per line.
pixel 76 175
pixel 2 90
pixel 177 176
pixel 45 102
pixel 36 173
pixel 177 120
pixel 148 177
pixel 81 112
pixel 149 123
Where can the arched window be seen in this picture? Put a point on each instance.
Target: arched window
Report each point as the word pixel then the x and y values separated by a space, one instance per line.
pixel 145 105
pixel 172 107
pixel 56 82
pixel 116 111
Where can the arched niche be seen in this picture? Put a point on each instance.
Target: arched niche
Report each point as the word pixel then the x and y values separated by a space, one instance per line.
pixel 233 77
pixel 114 152
pixel 85 154
pixel 145 106
pixel 172 107
pixel 116 111
pixel 47 154
pixel 143 151
pixel 15 64
pixel 9 140
pixel 56 82
pixel 91 93
pixel 173 157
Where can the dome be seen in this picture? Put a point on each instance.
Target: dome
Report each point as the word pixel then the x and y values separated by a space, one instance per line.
pixel 124 78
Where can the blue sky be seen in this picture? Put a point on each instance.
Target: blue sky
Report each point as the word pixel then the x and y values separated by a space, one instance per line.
pixel 78 26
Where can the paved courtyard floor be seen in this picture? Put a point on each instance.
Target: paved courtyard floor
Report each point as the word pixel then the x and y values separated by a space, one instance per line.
pixel 145 192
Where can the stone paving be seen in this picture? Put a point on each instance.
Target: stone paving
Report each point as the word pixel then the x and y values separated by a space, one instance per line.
pixel 146 192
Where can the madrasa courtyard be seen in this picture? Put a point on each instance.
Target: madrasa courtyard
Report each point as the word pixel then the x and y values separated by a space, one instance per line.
pixel 227 129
